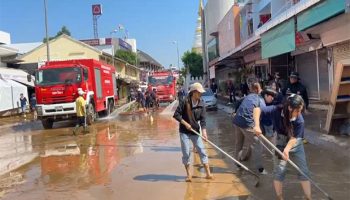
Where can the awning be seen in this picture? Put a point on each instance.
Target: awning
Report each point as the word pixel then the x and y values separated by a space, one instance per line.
pixel 319 13
pixel 278 40
pixel 311 45
pixel 338 31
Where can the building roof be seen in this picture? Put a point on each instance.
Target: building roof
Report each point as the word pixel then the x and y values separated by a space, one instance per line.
pixel 144 57
pixel 7 51
pixel 24 47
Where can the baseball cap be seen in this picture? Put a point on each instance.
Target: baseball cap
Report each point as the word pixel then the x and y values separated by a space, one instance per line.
pixel 81 92
pixel 197 87
pixel 294 75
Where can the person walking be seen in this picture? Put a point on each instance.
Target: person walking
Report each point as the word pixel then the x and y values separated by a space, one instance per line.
pixel 23 100
pixel 154 99
pixel 214 88
pixel 289 125
pixel 140 99
pixel 244 88
pixel 81 112
pixel 33 106
pixel 247 124
pixel 188 113
pixel 180 94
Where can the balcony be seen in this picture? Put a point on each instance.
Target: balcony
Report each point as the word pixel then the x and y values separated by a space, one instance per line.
pixel 291 8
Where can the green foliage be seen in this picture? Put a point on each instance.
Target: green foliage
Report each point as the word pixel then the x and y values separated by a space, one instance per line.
pixel 180 81
pixel 127 56
pixel 64 30
pixel 193 62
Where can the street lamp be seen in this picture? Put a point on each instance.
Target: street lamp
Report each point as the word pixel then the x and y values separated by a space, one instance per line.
pixel 178 56
pixel 111 34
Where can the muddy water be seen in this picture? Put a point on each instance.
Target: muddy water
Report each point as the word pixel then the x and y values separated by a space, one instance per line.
pixel 139 157
pixel 132 157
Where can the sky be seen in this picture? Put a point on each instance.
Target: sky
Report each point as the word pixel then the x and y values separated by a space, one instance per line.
pixel 155 24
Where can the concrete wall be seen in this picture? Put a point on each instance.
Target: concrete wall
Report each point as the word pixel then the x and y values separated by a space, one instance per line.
pixel 228 28
pixel 214 11
pixel 5 38
pixel 132 42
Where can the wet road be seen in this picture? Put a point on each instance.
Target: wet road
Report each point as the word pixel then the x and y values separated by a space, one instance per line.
pixel 135 157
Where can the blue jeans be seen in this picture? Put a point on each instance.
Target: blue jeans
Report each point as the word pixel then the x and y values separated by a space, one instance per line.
pixel 268 130
pixel 186 151
pixel 297 155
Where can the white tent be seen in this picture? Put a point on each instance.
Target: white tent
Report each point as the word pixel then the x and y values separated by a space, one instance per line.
pixel 10 93
pixel 17 75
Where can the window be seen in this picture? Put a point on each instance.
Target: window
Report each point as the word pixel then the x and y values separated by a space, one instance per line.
pixel 86 75
pixel 213 49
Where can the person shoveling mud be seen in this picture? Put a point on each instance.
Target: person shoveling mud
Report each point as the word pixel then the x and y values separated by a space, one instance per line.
pixel 189 111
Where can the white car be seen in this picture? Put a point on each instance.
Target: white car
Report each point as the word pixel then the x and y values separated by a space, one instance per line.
pixel 209 99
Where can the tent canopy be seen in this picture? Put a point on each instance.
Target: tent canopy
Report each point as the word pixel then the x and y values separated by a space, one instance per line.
pixel 10 93
pixel 16 75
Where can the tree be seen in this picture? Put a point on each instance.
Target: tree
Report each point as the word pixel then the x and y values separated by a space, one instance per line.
pixel 193 62
pixel 127 56
pixel 64 30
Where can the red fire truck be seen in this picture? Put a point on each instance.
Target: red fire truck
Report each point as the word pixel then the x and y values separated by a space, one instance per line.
pixel 165 84
pixel 57 84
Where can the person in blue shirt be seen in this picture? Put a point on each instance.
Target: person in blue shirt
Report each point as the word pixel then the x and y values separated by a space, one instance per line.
pixel 289 125
pixel 23 101
pixel 33 106
pixel 247 122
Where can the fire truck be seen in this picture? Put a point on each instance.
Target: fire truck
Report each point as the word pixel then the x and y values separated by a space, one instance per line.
pixel 57 84
pixel 165 84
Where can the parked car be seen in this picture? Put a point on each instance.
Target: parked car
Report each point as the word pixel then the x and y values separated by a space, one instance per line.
pixel 210 99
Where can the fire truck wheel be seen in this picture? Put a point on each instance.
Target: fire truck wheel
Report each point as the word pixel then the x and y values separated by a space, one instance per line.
pixel 91 114
pixel 47 123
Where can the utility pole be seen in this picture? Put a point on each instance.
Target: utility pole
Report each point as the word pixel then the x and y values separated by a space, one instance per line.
pixel 46 30
pixel 178 56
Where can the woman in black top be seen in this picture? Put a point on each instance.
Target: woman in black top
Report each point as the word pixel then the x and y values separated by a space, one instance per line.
pixel 188 113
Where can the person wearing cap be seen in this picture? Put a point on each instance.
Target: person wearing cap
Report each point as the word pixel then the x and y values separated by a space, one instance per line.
pixel 266 122
pixel 188 113
pixel 278 81
pixel 247 126
pixel 296 87
pixel 81 111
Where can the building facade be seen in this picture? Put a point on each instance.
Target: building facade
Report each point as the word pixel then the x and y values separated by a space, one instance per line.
pixel 307 36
